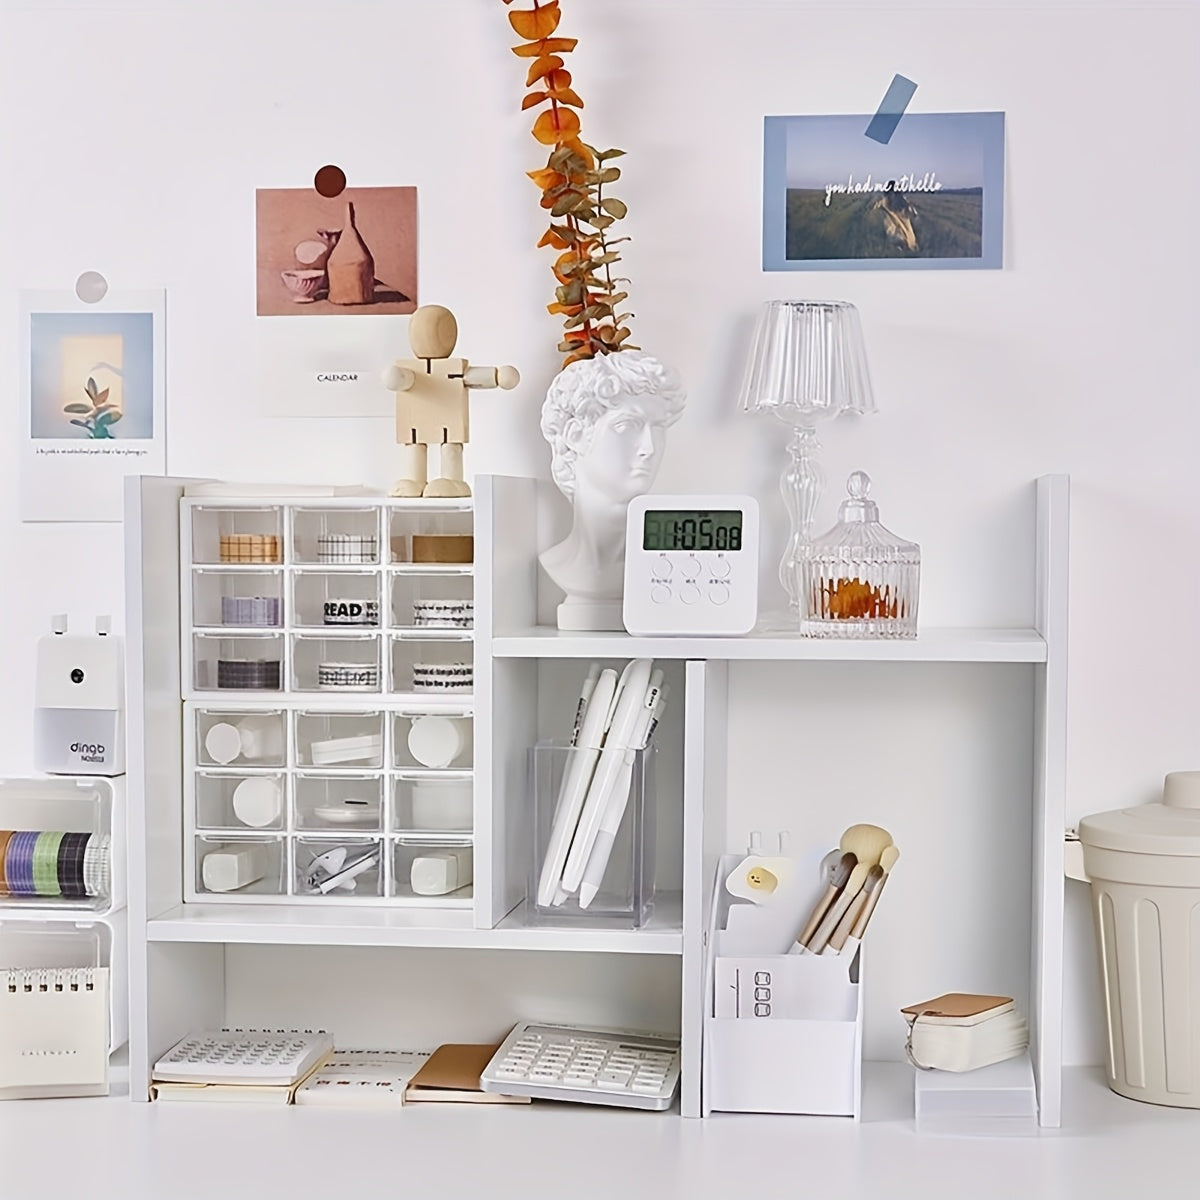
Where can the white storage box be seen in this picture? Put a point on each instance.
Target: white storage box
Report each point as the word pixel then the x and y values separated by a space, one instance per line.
pixel 994 1101
pixel 760 1061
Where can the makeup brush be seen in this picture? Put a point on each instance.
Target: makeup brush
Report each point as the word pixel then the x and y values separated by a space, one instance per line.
pixel 866 842
pixel 838 909
pixel 837 881
pixel 875 877
pixel 887 861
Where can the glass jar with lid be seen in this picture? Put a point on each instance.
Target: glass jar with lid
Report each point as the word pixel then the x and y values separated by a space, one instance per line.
pixel 859 579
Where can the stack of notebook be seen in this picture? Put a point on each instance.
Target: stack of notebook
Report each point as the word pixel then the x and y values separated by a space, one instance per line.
pixel 961 1032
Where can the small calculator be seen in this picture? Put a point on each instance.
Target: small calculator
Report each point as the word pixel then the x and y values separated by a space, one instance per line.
pixel 590 1066
pixel 268 1057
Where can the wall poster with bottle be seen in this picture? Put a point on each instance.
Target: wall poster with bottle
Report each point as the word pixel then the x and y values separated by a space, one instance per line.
pixel 355 252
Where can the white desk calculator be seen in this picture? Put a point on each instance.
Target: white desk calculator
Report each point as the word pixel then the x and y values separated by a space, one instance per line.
pixel 691 565
pixel 267 1057
pixel 590 1066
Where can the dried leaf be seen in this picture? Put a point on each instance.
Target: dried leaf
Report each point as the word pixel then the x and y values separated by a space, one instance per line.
pixel 546 46
pixel 578 356
pixel 545 178
pixel 550 238
pixel 534 98
pixel 565 95
pixel 556 125
pixel 601 222
pixel 605 259
pixel 539 23
pixel 561 205
pixel 575 336
pixel 563 309
pixel 605 155
pixel 608 175
pixel 575 321
pixel 614 207
pixel 542 66
pixel 557 80
pixel 617 297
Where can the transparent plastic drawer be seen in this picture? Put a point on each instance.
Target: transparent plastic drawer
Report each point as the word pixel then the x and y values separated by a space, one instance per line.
pixel 440 670
pixel 336 600
pixel 238 663
pixel 436 871
pixel 335 664
pixel 339 804
pixel 339 868
pixel 243 536
pixel 335 536
pixel 231 801
pixel 241 738
pixel 432 601
pixel 434 535
pixel 339 740
pixel 237 599
pixel 442 740
pixel 240 867
pixel 436 804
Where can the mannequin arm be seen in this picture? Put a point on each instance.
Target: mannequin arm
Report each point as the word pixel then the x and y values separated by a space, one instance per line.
pixel 397 378
pixel 491 377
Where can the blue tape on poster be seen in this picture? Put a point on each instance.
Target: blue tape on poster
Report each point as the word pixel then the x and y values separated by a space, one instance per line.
pixel 891 109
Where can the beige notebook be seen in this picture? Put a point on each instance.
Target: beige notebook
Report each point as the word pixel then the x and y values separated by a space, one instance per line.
pixel 959 1008
pixel 451 1075
pixel 54 1032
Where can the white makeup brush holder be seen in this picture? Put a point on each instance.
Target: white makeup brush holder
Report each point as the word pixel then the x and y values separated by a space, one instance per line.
pixel 783 1029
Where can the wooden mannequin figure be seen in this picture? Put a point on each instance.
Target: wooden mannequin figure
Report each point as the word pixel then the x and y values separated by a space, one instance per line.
pixel 432 403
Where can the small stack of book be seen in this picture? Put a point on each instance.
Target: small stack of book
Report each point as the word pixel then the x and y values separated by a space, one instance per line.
pixel 961 1031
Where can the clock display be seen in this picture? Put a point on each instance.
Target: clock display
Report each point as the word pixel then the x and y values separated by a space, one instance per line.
pixel 692 529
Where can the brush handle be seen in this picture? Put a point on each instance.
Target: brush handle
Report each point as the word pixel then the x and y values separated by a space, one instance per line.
pixel 821 908
pixel 829 922
pixel 837 939
pixel 860 925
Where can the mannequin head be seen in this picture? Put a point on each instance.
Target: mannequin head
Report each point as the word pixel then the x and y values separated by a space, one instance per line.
pixel 606 420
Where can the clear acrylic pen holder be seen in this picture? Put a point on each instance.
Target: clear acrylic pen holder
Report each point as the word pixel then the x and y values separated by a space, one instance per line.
pixel 623 876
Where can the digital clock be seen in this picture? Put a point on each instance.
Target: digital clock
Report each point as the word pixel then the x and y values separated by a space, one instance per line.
pixel 691 565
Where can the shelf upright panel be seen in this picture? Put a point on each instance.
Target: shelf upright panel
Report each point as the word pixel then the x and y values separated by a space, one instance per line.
pixel 505 691
pixel 1050 784
pixel 170 989
pixel 705 774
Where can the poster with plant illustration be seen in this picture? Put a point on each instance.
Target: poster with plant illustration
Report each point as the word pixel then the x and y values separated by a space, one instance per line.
pixel 93 382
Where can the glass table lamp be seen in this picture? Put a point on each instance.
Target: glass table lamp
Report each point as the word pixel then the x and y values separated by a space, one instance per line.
pixel 807 364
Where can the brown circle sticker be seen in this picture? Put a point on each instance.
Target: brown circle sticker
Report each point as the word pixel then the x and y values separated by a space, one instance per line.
pixel 330 181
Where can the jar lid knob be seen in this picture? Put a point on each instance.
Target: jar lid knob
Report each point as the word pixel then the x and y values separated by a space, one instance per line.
pixel 858 507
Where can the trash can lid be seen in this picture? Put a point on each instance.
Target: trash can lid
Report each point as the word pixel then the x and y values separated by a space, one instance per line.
pixel 1171 828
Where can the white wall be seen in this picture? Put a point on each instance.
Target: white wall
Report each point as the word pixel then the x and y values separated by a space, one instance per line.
pixel 135 133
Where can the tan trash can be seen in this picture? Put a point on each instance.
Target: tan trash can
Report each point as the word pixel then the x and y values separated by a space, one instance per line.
pixel 1144 867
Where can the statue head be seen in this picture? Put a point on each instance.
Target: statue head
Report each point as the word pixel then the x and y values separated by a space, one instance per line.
pixel 432 332
pixel 606 420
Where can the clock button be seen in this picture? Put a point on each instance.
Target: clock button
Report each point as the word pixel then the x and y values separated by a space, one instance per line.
pixel 690 568
pixel 689 593
pixel 720 568
pixel 661 568
pixel 718 593
pixel 660 593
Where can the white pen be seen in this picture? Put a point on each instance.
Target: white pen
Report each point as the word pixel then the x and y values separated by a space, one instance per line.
pixel 577 777
pixel 610 820
pixel 626 718
pixel 585 694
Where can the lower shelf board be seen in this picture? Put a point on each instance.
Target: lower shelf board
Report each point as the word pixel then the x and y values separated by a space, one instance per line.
pixel 450 928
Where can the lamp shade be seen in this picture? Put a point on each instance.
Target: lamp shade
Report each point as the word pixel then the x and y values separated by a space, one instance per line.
pixel 807 361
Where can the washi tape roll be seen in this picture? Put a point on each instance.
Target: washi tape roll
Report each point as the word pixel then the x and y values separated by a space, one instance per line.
pixel 443 677
pixel 250 548
pixel 348 676
pixel 346 610
pixel 18 863
pixel 257 674
pixel 347 548
pixel 444 614
pixel 70 865
pixel 5 836
pixel 97 866
pixel 256 611
pixel 45 864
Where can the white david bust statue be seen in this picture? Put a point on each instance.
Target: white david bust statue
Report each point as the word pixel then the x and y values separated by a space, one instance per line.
pixel 606 420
